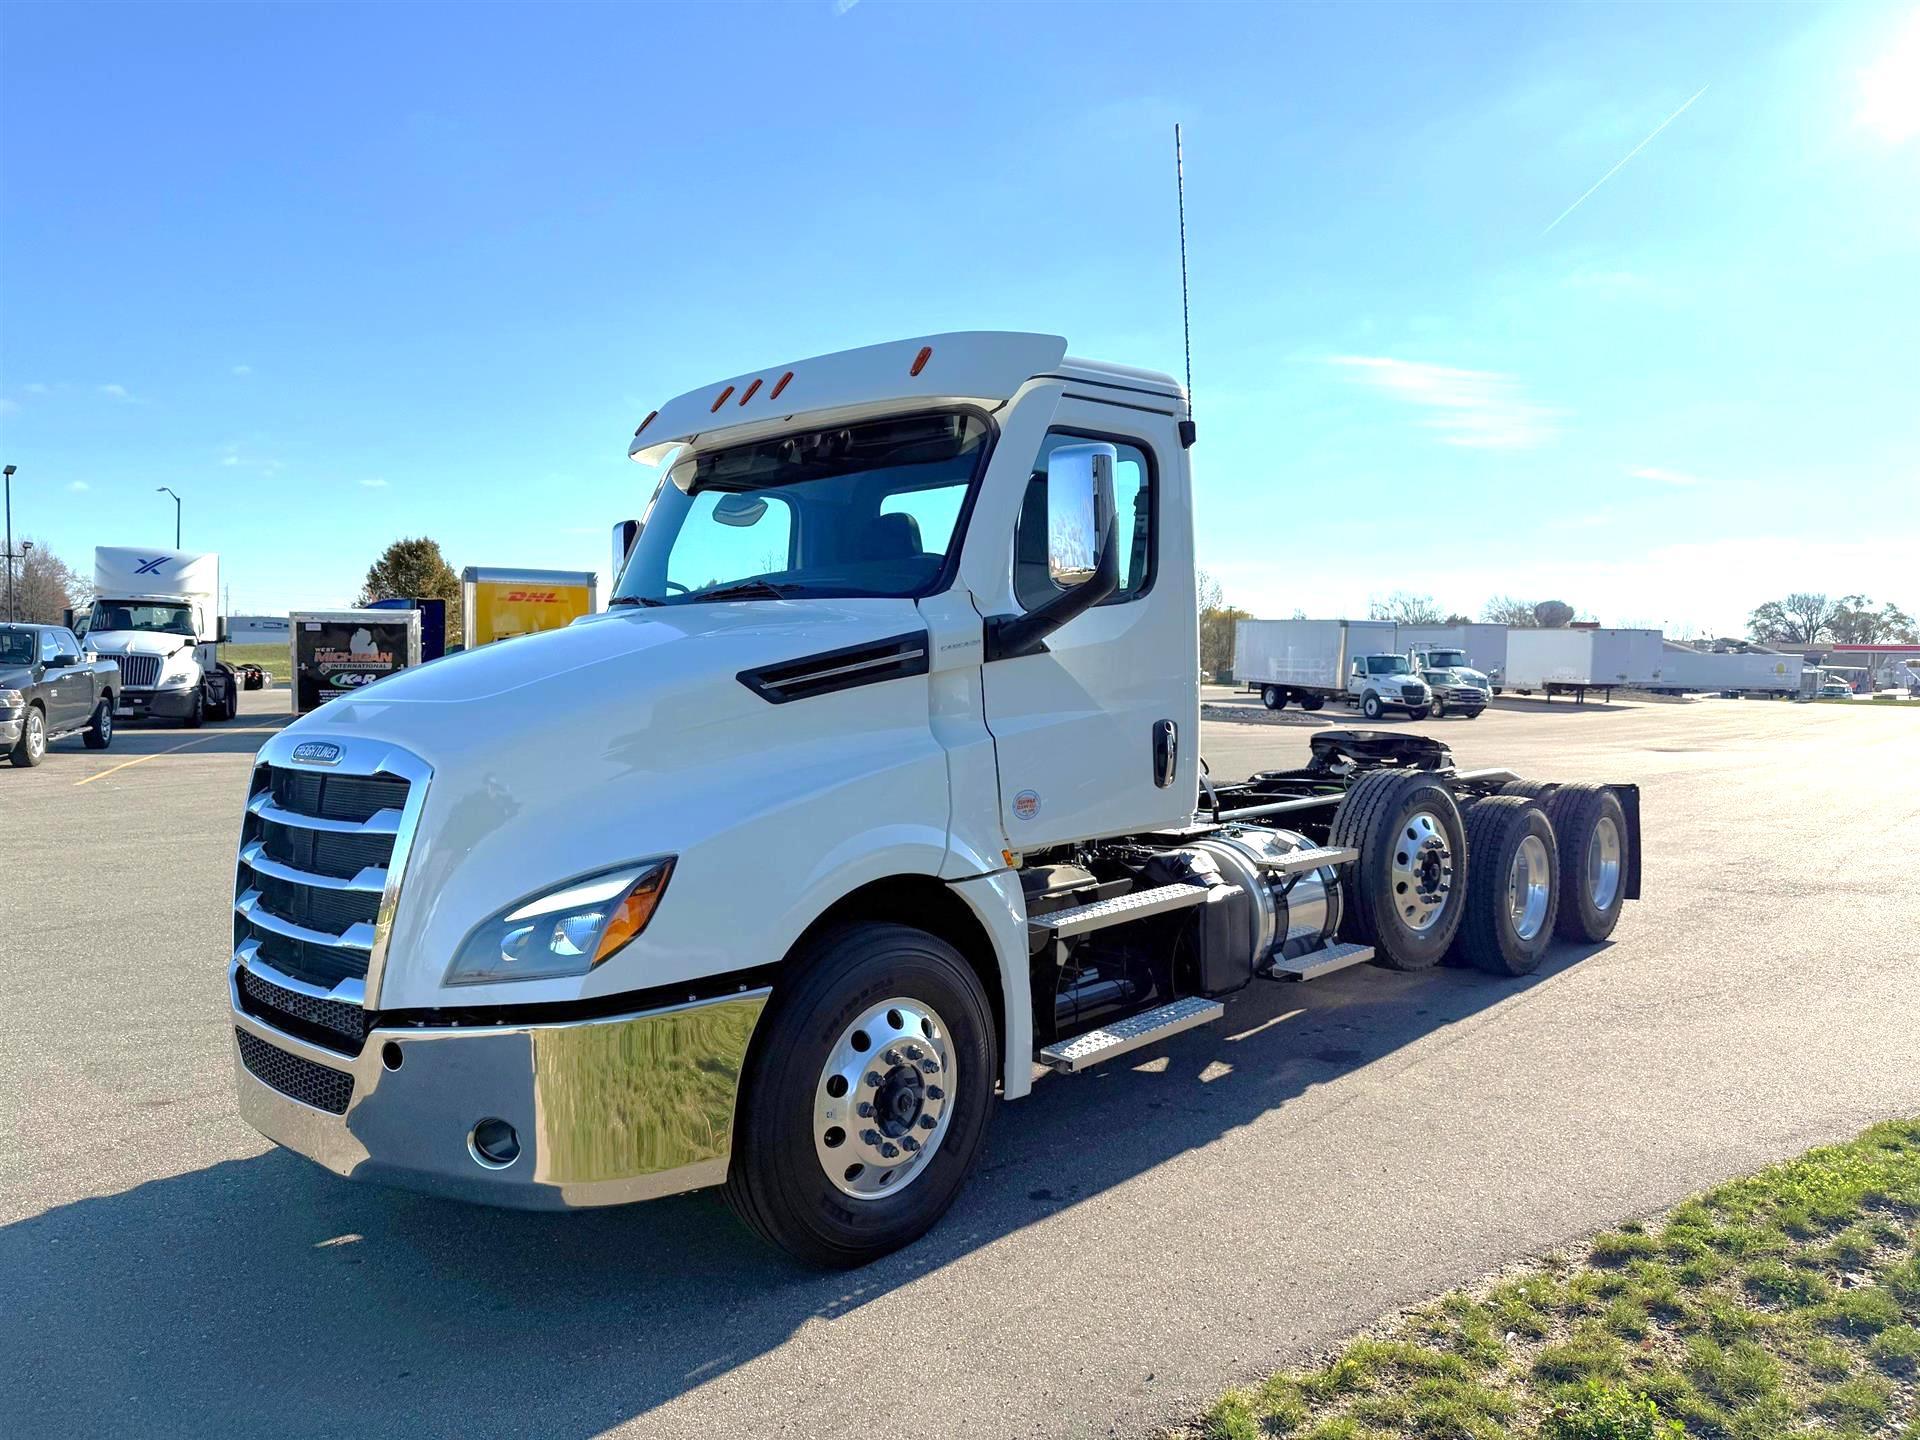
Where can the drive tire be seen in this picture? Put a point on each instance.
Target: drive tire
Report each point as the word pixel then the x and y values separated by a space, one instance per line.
pixel 1274 698
pixel 1312 702
pixel 777 1182
pixel 197 714
pixel 1418 712
pixel 1490 937
pixel 1370 706
pixel 99 733
pixel 1577 813
pixel 1375 818
pixel 31 748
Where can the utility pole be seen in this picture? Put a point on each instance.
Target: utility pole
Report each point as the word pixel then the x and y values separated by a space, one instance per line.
pixel 9 473
pixel 176 512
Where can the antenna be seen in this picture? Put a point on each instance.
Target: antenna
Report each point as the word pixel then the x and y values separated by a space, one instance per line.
pixel 1186 316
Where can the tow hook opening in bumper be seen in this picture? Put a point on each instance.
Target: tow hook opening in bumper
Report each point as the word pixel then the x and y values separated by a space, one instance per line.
pixel 560 1116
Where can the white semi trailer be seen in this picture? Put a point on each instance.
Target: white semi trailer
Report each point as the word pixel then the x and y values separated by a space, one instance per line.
pixel 1575 660
pixel 155 613
pixel 876 786
pixel 1685 670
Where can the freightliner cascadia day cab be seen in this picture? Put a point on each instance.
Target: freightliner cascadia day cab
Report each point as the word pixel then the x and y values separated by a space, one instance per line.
pixel 154 614
pixel 876 789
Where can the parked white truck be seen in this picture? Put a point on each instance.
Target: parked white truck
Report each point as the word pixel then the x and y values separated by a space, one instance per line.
pixel 1482 643
pixel 1314 661
pixel 1458 688
pixel 877 783
pixel 155 614
pixel 1578 659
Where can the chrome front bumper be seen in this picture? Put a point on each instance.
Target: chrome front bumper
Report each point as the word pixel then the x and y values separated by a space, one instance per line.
pixel 10 733
pixel 606 1111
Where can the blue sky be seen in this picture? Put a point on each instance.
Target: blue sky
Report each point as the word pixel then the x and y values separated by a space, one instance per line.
pixel 342 274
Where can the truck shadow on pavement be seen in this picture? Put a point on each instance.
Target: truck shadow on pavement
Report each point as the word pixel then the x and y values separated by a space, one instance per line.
pixel 265 1295
pixel 238 737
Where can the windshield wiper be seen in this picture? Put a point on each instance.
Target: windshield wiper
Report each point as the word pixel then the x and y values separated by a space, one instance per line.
pixel 746 590
pixel 634 600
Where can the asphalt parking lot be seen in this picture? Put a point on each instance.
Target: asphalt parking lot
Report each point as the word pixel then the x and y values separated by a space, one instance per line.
pixel 1139 1238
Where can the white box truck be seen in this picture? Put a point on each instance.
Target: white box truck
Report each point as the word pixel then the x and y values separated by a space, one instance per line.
pixel 154 613
pixel 1314 661
pixel 1482 644
pixel 877 785
pixel 1575 660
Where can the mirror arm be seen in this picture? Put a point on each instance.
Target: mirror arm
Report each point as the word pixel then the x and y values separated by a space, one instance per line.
pixel 1011 636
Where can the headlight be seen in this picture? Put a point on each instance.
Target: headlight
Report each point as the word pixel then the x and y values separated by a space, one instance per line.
pixel 563 932
pixel 184 680
pixel 9 699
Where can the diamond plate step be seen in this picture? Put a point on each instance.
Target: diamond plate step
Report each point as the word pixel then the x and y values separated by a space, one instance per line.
pixel 1316 963
pixel 1135 905
pixel 1069 1056
pixel 1301 860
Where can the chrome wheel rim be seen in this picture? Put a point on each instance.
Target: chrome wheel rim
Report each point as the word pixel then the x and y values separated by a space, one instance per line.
pixel 881 1104
pixel 1603 864
pixel 106 723
pixel 36 735
pixel 1422 872
pixel 1529 887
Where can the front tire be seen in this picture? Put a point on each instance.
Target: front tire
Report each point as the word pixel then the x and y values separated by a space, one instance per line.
pixel 1513 890
pixel 1274 698
pixel 31 748
pixel 1370 706
pixel 196 714
pixel 1418 712
pixel 870 1008
pixel 99 734
pixel 1404 894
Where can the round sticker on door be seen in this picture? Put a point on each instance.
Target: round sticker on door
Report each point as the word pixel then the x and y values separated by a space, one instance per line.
pixel 1026 805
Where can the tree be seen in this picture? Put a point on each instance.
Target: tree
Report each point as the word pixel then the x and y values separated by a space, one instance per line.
pixel 1217 622
pixel 1857 622
pixel 1552 614
pixel 1405 608
pixel 1802 618
pixel 415 570
pixel 44 585
pixel 1456 618
pixel 1506 610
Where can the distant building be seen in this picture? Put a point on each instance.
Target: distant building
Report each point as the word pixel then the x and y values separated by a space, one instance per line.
pixel 256 629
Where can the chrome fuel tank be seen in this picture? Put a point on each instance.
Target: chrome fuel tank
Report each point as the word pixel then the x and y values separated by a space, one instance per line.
pixel 1291 914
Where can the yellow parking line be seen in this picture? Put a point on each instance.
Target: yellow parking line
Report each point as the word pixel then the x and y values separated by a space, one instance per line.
pixel 183 745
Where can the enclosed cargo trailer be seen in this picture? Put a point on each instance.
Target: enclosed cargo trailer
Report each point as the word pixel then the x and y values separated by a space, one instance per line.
pixel 498 604
pixel 1727 672
pixel 1574 661
pixel 341 652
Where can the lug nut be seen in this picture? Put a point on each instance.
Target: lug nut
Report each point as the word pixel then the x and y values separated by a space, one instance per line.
pixel 932 1067
pixel 892 1057
pixel 927 1122
pixel 869 1137
pixel 913 1052
pixel 909 1144
pixel 890 1151
pixel 873 1078
pixel 934 1092
pixel 865 1110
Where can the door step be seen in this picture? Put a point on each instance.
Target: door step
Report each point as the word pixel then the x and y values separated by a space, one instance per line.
pixel 1070 1056
pixel 1303 860
pixel 1316 963
pixel 1135 905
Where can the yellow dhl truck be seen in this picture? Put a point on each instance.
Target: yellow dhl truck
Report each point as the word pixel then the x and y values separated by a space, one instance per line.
pixel 498 604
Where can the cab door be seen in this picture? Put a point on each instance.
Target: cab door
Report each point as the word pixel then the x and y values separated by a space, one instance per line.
pixel 1099 733
pixel 69 693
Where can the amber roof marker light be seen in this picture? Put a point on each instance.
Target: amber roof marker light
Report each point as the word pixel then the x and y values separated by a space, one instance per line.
pixel 779 385
pixel 720 400
pixel 920 360
pixel 750 390
pixel 652 415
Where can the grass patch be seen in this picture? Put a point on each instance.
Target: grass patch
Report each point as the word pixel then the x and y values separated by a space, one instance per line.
pixel 1783 1304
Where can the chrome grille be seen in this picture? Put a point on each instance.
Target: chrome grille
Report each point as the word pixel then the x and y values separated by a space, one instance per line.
pixel 315 854
pixel 138 672
pixel 295 1076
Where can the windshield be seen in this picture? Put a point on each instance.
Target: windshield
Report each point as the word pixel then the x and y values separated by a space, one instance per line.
pixel 1447 659
pixel 140 615
pixel 870 509
pixel 17 647
pixel 1388 665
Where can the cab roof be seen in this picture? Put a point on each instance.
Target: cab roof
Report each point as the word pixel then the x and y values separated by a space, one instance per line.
pixel 979 366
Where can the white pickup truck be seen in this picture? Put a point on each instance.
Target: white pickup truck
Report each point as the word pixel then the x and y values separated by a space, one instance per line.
pixel 876 790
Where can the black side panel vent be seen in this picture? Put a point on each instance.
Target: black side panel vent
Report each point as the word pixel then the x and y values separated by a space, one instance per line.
pixel 892 659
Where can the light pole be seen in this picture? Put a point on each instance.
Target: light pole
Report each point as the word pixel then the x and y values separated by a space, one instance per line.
pixel 9 473
pixel 176 513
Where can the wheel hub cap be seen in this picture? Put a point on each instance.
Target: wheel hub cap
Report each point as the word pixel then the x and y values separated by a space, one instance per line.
pixel 1529 887
pixel 1603 863
pixel 880 1107
pixel 1422 872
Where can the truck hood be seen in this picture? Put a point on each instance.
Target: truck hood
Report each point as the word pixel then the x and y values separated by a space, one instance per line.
pixel 656 668
pixel 135 642
pixel 16 677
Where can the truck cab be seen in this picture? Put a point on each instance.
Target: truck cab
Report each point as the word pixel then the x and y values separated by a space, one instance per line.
pixel 876 788
pixel 1458 688
pixel 153 614
pixel 1382 683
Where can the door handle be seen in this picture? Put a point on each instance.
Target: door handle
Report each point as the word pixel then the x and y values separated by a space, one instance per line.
pixel 1166 752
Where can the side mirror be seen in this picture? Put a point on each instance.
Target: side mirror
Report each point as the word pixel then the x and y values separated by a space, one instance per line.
pixel 220 631
pixel 1083 549
pixel 626 534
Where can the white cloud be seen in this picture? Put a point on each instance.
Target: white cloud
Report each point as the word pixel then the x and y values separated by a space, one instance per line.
pixel 1890 88
pixel 1665 477
pixel 243 369
pixel 1481 409
pixel 229 459
pixel 376 483
pixel 78 487
pixel 115 392
pixel 36 388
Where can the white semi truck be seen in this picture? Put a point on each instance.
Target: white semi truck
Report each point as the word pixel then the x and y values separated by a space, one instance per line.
pixel 155 614
pixel 876 789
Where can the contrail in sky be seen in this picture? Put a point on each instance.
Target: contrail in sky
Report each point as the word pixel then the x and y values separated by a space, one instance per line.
pixel 1623 160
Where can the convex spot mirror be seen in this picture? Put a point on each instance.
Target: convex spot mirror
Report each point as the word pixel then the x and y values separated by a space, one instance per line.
pixel 1080 511
pixel 739 511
